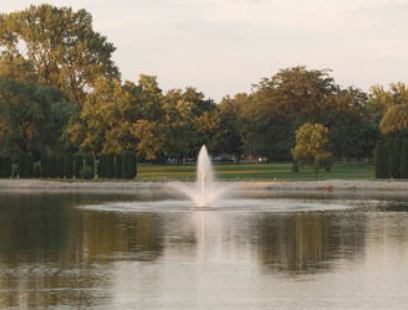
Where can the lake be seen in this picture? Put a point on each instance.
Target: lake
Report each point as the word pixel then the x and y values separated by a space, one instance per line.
pixel 147 251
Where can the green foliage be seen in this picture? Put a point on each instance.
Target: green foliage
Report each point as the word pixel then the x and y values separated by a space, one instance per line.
pixel 32 117
pixel 310 147
pixel 60 166
pixel 395 120
pixel 109 166
pixel 68 166
pixel 51 57
pixel 25 164
pixel 101 167
pixel 51 166
pixel 60 45
pixel 128 166
pixel 44 166
pixel 87 173
pixel 37 170
pixel 394 157
pixel 5 167
pixel 326 162
pixel 106 166
pixel 404 160
pixel 118 166
pixel 78 165
pixel 381 160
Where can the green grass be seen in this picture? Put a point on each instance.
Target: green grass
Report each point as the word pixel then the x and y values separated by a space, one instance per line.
pixel 260 172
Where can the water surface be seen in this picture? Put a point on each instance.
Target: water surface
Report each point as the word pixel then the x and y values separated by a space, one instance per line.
pixel 104 251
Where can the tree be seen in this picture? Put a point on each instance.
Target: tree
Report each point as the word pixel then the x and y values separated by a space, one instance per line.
pixel 404 160
pixel 351 132
pixel 380 99
pixel 69 166
pixel 179 125
pixel 151 138
pixel 116 118
pixel 381 160
pixel 394 157
pixel 229 131
pixel 60 45
pixel 5 167
pixel 32 118
pixel 395 120
pixel 311 143
pixel 280 104
pixel 17 68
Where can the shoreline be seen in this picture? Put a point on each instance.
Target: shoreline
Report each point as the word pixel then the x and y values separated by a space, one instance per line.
pixel 120 186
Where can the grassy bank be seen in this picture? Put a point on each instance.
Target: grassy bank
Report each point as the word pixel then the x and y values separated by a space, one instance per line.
pixel 261 172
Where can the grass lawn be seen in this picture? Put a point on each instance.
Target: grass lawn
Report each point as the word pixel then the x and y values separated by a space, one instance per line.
pixel 260 172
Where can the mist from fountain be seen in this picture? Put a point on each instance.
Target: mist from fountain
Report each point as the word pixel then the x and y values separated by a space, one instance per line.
pixel 205 192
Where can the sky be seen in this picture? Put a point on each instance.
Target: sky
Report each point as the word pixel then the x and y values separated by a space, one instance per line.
pixel 222 47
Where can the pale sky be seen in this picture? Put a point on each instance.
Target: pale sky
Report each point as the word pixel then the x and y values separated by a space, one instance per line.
pixel 223 46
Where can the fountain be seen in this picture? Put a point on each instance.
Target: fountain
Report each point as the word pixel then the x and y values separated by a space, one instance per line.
pixel 205 191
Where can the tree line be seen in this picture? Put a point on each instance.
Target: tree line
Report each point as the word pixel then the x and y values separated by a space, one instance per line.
pixel 61 93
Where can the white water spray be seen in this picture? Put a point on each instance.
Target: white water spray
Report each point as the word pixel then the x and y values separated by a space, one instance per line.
pixel 205 191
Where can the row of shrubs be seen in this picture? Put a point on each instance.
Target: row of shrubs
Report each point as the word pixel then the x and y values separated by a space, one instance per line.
pixel 391 158
pixel 120 166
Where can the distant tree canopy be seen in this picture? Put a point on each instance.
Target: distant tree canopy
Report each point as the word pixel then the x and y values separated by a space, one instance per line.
pixel 60 91
pixel 296 96
pixel 59 46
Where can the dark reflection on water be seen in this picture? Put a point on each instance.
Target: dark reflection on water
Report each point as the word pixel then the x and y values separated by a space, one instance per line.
pixel 55 254
pixel 306 242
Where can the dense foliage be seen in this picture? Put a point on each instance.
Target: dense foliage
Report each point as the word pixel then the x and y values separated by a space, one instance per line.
pixel 311 146
pixel 61 93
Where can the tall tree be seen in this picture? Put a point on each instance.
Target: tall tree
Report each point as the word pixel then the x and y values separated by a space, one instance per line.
pixel 280 104
pixel 229 131
pixel 32 118
pixel 61 46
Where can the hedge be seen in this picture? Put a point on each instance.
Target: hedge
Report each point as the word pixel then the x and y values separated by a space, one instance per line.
pixel 5 167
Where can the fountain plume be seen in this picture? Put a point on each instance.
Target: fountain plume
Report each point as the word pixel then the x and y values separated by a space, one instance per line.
pixel 205 191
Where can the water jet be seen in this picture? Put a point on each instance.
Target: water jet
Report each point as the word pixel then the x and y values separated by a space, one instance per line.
pixel 205 191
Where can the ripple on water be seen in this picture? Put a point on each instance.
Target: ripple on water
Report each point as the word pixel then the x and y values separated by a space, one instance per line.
pixel 231 205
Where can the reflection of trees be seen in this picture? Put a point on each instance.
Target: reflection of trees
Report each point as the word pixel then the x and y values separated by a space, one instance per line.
pixel 307 242
pixel 52 253
pixel 108 236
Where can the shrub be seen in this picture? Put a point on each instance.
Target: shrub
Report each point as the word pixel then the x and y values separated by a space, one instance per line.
pixel 381 161
pixel 128 165
pixel 44 166
pixel 118 166
pixel 15 171
pixel 404 160
pixel 60 166
pixel 295 167
pixel 87 173
pixel 78 165
pixel 5 167
pixel 110 167
pixel 69 167
pixel 394 156
pixel 101 167
pixel 52 166
pixel 326 162
pixel 25 165
pixel 37 170
pixel 89 162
